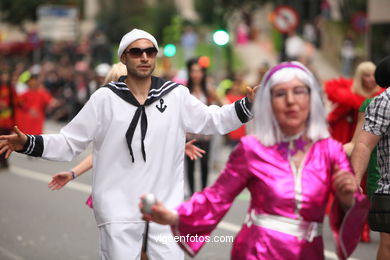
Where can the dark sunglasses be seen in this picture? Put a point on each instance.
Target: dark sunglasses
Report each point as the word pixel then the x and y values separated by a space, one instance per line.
pixel 151 52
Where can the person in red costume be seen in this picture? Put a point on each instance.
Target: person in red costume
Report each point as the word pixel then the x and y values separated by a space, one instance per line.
pixel 234 93
pixel 8 102
pixel 347 95
pixel 30 117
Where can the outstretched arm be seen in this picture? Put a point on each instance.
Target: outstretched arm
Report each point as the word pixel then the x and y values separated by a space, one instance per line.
pixel 13 142
pixel 60 179
pixel 361 153
pixel 197 118
pixel 348 147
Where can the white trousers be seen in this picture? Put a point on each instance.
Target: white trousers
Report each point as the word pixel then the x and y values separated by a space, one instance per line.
pixel 123 241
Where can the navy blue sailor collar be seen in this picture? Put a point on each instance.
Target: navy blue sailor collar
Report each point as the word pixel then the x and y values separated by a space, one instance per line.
pixel 159 88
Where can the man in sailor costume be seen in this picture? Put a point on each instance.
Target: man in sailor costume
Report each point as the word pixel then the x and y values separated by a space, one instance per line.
pixel 137 126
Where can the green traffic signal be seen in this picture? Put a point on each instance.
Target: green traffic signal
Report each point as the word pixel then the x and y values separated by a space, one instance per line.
pixel 169 50
pixel 221 37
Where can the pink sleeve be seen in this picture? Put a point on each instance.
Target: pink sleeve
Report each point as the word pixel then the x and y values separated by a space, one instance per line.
pixel 200 215
pixel 338 156
pixel 346 225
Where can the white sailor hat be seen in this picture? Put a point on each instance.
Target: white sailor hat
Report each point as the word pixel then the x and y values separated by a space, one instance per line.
pixel 132 36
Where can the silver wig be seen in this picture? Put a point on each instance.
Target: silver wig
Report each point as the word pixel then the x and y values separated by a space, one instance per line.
pixel 265 127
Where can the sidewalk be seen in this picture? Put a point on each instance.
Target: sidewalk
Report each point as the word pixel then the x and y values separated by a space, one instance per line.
pixel 255 54
pixel 323 68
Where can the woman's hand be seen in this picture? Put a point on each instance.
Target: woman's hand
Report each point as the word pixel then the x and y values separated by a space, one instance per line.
pixel 159 214
pixel 193 151
pixel 345 186
pixel 59 180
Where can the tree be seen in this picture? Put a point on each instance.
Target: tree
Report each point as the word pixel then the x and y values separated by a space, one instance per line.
pixel 162 16
pixel 119 17
pixel 216 12
pixel 18 11
pixel 350 7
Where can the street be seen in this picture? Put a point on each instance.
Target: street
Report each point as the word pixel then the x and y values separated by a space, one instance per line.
pixel 39 224
pixel 54 57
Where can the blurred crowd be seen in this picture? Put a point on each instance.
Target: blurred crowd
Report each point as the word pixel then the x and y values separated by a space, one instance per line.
pixel 67 74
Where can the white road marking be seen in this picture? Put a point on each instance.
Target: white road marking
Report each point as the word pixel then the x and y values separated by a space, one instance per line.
pixel 87 189
pixel 74 185
pixel 9 255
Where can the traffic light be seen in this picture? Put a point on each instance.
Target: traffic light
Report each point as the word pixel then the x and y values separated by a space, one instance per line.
pixel 221 37
pixel 170 50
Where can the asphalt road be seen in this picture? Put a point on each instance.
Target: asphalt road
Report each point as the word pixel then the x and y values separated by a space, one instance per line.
pixel 39 224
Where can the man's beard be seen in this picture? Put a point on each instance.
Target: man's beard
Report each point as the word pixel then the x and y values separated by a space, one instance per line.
pixel 140 75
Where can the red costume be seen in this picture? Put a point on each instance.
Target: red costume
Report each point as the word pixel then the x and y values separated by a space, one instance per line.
pixel 343 118
pixel 31 116
pixel 236 135
pixel 8 101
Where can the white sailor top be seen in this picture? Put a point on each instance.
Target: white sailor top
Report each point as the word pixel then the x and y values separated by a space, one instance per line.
pixel 137 149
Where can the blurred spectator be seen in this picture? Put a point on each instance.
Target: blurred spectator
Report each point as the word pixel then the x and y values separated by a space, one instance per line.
pixel 348 55
pixel 236 92
pixel 30 117
pixel 181 77
pixel 52 82
pixel 166 70
pixel 199 87
pixel 117 70
pixel 325 9
pixel 347 96
pixel 20 74
pixel 189 40
pixel 67 94
pixel 101 72
pixel 82 49
pixel 373 138
pixel 318 25
pixel 8 101
pixel 224 86
pixel 309 33
pixel 242 33
pixel 261 72
pixel 21 86
pixel 100 49
pixel 294 46
pixel 81 84
pixel 248 20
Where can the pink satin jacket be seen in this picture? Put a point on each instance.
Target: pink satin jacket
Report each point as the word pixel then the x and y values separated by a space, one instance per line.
pixel 276 189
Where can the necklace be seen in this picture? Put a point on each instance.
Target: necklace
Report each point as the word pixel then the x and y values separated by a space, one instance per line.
pixel 291 145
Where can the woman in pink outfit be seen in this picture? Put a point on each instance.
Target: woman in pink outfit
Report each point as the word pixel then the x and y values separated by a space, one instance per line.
pixel 290 165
